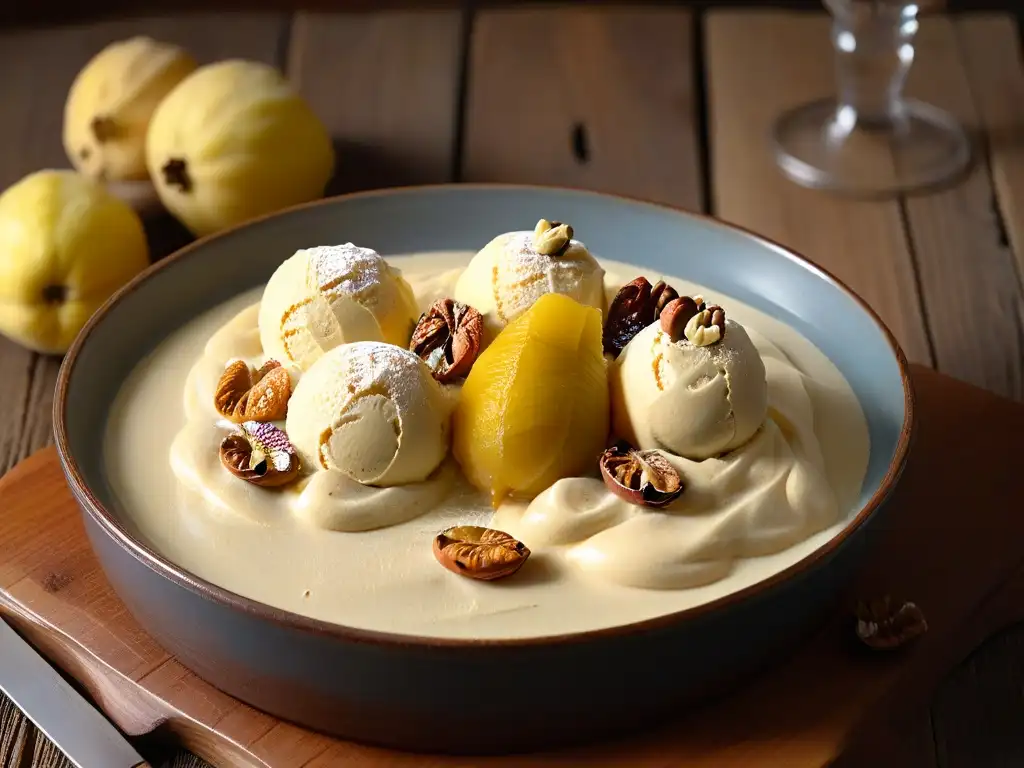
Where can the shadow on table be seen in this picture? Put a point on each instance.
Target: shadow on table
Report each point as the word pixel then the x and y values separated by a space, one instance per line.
pixel 367 166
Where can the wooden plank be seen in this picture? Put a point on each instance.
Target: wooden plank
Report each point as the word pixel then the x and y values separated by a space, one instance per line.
pixel 386 84
pixel 979 707
pixel 758 65
pixel 991 50
pixel 601 98
pixel 969 280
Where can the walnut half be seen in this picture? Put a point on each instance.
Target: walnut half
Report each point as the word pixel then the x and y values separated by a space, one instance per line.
pixel 447 338
pixel 883 624
pixel 260 454
pixel 479 553
pixel 247 395
pixel 644 478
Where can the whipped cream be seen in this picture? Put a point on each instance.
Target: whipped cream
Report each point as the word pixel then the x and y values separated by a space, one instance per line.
pixel 758 499
pixel 332 548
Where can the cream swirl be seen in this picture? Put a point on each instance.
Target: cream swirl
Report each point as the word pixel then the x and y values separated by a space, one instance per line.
pixel 759 499
pixel 325 499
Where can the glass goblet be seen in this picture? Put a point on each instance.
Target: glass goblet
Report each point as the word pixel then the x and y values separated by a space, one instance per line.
pixel 870 140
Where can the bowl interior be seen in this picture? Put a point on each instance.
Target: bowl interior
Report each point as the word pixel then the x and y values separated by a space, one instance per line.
pixel 464 217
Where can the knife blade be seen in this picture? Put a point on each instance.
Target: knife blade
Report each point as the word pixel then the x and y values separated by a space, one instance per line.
pixel 78 729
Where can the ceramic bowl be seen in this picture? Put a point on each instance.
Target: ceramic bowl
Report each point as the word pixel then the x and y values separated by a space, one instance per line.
pixel 464 695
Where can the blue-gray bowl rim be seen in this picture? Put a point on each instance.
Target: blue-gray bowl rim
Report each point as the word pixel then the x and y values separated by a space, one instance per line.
pixel 163 567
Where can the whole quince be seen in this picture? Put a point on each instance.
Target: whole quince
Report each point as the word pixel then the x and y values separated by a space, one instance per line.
pixel 111 101
pixel 66 244
pixel 234 141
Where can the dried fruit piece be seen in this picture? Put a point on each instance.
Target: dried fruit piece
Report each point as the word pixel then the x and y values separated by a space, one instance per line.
pixel 246 395
pixel 448 338
pixel 883 625
pixel 551 238
pixel 676 316
pixel 260 454
pixel 706 327
pixel 479 553
pixel 628 314
pixel 645 478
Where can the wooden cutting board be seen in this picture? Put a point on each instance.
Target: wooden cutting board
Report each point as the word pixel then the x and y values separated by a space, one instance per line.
pixel 951 540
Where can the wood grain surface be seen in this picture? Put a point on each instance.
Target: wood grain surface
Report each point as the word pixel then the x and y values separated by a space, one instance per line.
pixel 386 84
pixel 610 104
pixel 663 102
pixel 46 62
pixel 824 702
pixel 758 65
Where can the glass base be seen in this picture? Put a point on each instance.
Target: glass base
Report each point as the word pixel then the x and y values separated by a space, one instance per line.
pixel 826 147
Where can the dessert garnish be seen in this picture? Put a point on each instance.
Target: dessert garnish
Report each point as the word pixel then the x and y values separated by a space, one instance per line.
pixel 661 294
pixel 706 327
pixel 635 306
pixel 884 625
pixel 260 454
pixel 676 315
pixel 628 314
pixel 551 238
pixel 246 395
pixel 645 478
pixel 479 553
pixel 448 337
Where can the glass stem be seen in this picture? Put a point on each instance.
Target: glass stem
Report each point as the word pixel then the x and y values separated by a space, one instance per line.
pixel 874 50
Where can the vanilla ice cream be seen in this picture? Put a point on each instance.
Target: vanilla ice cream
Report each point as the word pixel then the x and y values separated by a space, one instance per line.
pixel 330 295
pixel 371 411
pixel 509 274
pixel 692 401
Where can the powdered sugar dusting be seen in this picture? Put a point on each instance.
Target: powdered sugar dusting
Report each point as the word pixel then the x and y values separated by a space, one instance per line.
pixel 345 268
pixel 522 274
pixel 376 366
pixel 522 262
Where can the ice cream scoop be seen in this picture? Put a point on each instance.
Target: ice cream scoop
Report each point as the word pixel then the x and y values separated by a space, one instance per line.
pixel 372 411
pixel 515 269
pixel 330 295
pixel 692 400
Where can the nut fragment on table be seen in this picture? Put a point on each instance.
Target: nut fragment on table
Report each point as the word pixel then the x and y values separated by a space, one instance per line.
pixel 479 553
pixel 244 394
pixel 644 478
pixel 260 454
pixel 448 337
pixel 883 624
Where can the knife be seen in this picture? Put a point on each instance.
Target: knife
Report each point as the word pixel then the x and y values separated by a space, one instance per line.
pixel 69 721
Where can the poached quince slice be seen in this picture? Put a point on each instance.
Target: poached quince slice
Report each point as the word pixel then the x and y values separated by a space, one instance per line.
pixel 535 406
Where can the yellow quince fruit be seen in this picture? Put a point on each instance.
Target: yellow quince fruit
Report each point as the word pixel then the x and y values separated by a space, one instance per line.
pixel 535 406
pixel 234 141
pixel 111 101
pixel 66 244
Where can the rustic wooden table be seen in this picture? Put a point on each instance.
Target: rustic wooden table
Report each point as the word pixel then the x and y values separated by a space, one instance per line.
pixel 664 103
